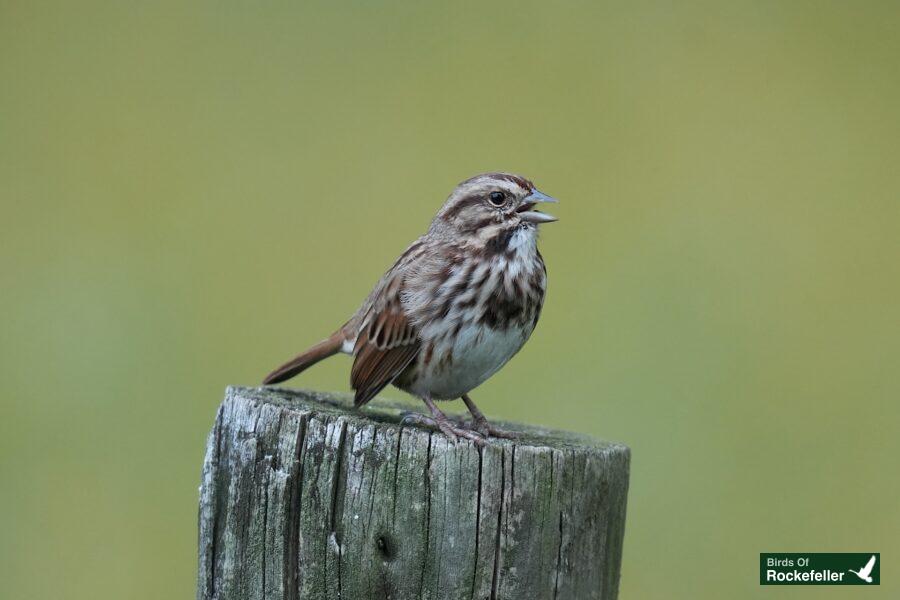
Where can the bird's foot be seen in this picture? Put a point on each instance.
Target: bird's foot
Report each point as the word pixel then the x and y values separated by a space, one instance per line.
pixel 452 431
pixel 484 427
pixel 480 423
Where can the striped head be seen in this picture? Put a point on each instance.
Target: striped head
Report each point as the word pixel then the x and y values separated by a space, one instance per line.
pixel 492 204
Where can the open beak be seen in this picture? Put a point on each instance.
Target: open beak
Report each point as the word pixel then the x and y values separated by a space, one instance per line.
pixel 532 216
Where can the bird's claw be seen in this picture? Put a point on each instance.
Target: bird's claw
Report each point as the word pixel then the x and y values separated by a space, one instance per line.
pixel 483 427
pixel 450 430
pixel 414 418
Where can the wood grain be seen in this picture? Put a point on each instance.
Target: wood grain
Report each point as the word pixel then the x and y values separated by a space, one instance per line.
pixel 303 497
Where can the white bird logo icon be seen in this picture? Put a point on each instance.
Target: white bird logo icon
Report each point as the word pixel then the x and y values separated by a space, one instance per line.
pixel 864 573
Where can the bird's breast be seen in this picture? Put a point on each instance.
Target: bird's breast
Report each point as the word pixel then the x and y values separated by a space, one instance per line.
pixel 473 319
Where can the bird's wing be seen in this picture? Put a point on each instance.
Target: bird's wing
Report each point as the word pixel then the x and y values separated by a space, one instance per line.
pixel 864 572
pixel 387 343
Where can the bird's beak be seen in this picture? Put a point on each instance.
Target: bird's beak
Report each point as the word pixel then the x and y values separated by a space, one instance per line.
pixel 533 216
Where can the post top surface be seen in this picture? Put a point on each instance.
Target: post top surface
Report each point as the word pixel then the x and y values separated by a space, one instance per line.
pixel 387 412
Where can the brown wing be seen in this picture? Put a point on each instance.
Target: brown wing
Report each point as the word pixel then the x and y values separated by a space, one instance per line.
pixel 387 344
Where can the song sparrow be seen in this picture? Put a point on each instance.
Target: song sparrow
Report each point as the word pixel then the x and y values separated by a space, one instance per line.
pixel 454 308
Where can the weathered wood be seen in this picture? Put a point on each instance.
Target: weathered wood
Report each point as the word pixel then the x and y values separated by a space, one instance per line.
pixel 302 497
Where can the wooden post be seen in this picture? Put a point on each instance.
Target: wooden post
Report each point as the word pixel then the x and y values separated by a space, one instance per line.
pixel 303 497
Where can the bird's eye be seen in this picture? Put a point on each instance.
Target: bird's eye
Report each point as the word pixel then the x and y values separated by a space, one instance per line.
pixel 497 198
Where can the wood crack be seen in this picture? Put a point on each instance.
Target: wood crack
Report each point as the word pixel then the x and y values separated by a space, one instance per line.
pixel 495 577
pixel 558 557
pixel 396 471
pixel 477 521
pixel 295 506
pixel 265 527
pixel 220 495
pixel 337 492
pixel 427 513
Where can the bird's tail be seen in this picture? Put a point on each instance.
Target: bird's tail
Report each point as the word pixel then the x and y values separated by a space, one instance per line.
pixel 301 362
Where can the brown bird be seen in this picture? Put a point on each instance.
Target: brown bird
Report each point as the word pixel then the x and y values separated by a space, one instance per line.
pixel 454 308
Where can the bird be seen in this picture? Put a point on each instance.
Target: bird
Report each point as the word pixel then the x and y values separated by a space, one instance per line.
pixel 457 304
pixel 865 572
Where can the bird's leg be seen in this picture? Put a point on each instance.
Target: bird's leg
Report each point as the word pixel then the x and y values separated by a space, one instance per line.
pixel 440 421
pixel 481 424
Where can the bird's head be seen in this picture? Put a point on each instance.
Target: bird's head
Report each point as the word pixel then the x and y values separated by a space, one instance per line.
pixel 488 204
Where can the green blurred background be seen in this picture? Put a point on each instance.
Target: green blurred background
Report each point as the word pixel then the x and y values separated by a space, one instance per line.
pixel 192 194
